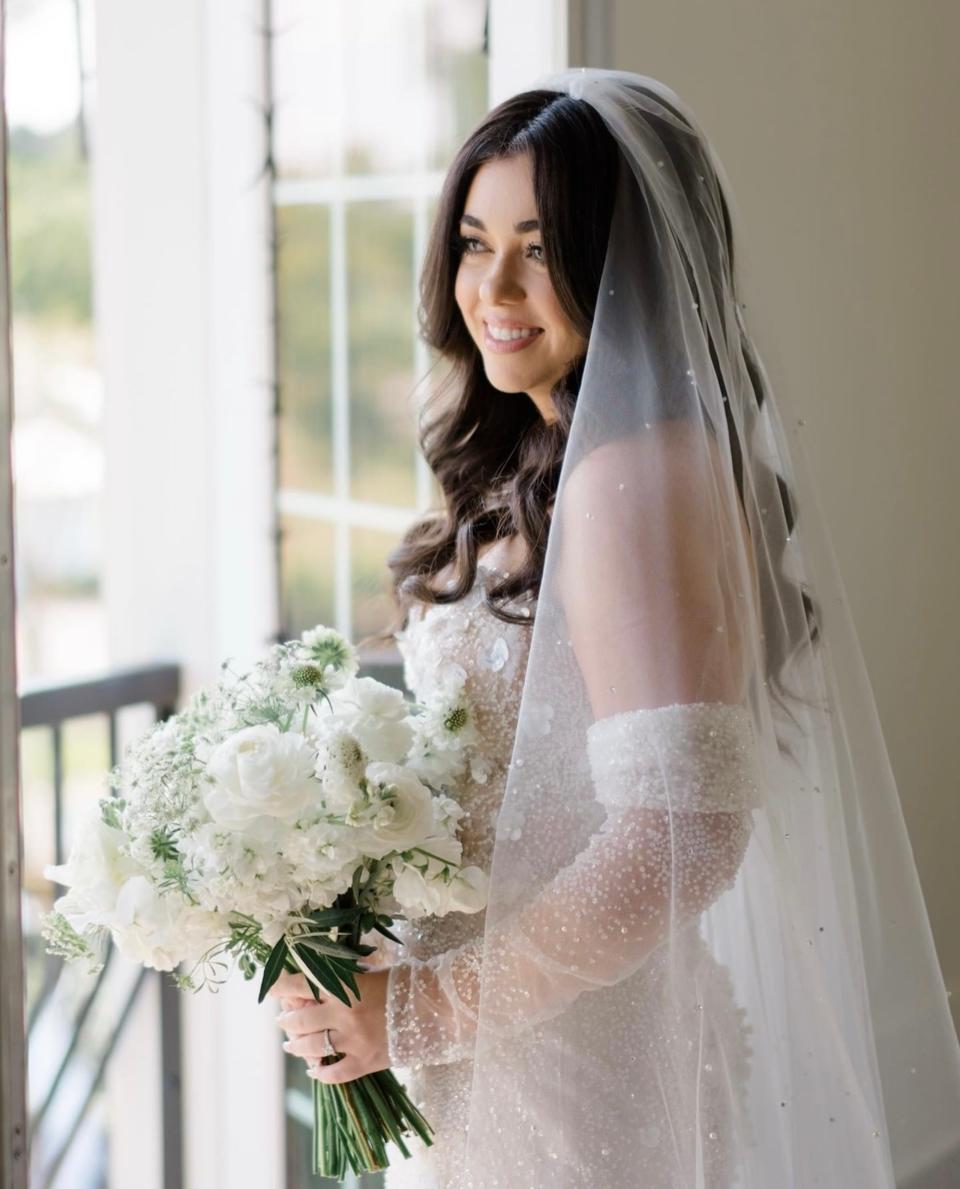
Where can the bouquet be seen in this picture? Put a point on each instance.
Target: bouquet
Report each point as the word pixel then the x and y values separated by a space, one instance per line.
pixel 280 821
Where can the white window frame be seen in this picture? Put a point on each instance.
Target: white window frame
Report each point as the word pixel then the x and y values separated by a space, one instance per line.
pixel 13 1090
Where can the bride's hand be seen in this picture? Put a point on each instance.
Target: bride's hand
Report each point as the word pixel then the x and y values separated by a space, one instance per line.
pixel 358 1031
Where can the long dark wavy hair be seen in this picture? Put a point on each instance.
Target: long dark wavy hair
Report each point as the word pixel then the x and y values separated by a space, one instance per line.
pixel 496 459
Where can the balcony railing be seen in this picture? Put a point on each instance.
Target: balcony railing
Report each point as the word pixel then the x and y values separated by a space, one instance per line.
pixel 74 1027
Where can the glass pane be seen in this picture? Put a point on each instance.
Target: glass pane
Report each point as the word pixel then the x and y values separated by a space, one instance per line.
pixel 372 602
pixel 383 89
pixel 334 63
pixel 307 45
pixel 381 340
pixel 303 315
pixel 306 572
pixel 456 73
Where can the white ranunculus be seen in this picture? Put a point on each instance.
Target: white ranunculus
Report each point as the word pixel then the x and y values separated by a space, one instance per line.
pixel 404 816
pixel 377 715
pixel 261 771
pixel 95 872
pixel 159 930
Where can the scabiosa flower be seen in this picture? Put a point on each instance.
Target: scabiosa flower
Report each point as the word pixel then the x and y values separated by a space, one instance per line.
pixel 332 653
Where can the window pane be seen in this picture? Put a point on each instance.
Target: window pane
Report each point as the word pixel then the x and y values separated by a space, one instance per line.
pixel 306 45
pixel 306 560
pixel 381 339
pixel 456 69
pixel 384 108
pixel 348 71
pixel 303 314
pixel 372 602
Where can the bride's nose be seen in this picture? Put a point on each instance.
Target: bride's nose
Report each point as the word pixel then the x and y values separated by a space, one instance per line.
pixel 500 283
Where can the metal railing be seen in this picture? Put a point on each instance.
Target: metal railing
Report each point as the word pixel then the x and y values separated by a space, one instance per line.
pixel 52 707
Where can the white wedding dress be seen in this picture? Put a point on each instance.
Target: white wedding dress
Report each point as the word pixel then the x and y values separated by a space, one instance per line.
pixel 433 981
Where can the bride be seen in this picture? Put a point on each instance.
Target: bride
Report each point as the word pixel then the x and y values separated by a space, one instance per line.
pixel 705 959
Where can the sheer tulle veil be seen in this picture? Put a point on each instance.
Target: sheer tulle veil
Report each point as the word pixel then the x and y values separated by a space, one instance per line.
pixel 702 886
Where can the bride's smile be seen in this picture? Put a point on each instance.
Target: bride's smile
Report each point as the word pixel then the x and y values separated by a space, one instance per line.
pixel 504 289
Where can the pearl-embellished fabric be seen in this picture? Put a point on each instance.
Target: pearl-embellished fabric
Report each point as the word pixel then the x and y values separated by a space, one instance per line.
pixel 690 757
pixel 597 932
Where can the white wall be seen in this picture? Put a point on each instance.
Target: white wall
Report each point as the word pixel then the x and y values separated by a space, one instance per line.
pixel 181 280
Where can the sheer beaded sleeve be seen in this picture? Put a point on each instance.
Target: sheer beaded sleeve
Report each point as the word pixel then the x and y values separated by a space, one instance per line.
pixel 648 868
pixel 432 1007
pixel 677 775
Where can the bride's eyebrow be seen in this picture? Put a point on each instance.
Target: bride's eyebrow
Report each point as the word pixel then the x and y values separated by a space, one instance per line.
pixel 523 225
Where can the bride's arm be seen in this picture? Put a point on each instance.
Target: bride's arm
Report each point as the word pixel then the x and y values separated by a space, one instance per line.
pixel 659 636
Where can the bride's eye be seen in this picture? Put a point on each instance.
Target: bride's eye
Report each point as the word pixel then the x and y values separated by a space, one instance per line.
pixel 464 242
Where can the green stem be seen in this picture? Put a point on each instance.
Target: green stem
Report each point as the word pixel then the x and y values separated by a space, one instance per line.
pixel 353 1121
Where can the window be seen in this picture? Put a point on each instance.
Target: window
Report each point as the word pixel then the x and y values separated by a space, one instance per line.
pixel 370 100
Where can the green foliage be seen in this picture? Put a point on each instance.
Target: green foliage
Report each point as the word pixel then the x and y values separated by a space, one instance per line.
pixel 163 844
pixel 111 811
pixel 50 237
pixel 63 941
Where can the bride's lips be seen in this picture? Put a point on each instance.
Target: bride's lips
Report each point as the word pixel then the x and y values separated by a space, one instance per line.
pixel 511 345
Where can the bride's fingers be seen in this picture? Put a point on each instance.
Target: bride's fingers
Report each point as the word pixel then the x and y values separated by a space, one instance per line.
pixel 294 1002
pixel 291 985
pixel 310 1044
pixel 347 1069
pixel 311 1018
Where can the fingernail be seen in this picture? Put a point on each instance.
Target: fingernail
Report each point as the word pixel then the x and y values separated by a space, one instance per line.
pixel 286 1046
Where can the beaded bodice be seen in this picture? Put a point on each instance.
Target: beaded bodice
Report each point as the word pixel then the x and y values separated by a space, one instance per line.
pixel 492 657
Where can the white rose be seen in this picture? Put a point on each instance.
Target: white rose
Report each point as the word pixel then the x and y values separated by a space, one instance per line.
pixel 261 771
pixel 377 716
pixel 405 814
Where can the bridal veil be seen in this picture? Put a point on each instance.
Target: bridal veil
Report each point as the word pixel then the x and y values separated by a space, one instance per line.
pixel 700 849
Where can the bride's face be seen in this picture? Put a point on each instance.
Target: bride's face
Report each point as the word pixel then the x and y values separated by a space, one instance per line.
pixel 503 282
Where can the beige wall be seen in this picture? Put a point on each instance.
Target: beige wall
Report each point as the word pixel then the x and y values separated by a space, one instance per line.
pixel 837 128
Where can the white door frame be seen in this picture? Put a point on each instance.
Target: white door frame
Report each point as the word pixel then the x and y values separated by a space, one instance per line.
pixel 13 1074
